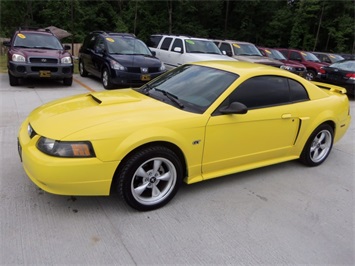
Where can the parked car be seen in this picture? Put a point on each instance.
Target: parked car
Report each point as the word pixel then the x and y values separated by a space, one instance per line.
pixel 38 53
pixel 199 121
pixel 245 51
pixel 291 66
pixel 118 59
pixel 328 57
pixel 176 50
pixel 309 60
pixel 341 73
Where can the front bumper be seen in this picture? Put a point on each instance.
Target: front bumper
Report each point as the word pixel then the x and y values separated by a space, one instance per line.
pixel 125 78
pixel 49 71
pixel 64 176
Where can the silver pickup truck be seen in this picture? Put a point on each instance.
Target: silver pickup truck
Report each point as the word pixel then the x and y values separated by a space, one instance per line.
pixel 176 50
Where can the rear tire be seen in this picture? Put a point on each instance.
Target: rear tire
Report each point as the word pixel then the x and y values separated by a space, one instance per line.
pixel 150 178
pixel 318 146
pixel 14 81
pixel 82 70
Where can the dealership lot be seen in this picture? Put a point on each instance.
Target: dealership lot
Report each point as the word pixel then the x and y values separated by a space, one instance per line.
pixel 282 214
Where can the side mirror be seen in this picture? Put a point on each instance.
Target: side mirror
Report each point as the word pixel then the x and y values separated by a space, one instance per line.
pixel 67 47
pixel 154 53
pixel 99 50
pixel 178 50
pixel 234 108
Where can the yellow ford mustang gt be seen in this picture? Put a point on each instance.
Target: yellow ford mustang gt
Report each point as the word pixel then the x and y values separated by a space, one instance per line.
pixel 196 122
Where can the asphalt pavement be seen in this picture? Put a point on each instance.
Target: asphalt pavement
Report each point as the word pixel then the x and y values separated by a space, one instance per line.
pixel 286 214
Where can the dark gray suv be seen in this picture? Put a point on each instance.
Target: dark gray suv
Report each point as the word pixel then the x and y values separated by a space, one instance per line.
pixel 118 59
pixel 38 53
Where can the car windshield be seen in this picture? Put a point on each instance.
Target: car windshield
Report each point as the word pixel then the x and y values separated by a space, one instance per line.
pixel 38 41
pixel 275 54
pixel 126 46
pixel 246 49
pixel 194 87
pixel 201 46
pixel 310 57
pixel 335 58
pixel 344 65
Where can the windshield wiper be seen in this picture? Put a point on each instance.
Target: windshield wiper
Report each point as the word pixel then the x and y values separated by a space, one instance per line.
pixel 171 97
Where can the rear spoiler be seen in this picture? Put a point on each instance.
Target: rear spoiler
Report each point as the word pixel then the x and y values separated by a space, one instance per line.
pixel 330 87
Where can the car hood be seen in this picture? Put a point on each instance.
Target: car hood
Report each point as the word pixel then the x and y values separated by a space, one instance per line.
pixel 258 60
pixel 40 52
pixel 137 60
pixel 126 108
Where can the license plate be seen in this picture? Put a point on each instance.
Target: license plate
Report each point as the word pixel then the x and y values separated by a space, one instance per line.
pixel 19 148
pixel 44 73
pixel 145 77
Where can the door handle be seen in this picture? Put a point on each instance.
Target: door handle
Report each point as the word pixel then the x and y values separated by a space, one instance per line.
pixel 286 116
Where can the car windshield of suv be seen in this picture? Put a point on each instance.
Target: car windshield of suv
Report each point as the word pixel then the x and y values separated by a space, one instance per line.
pixel 246 49
pixel 190 87
pixel 38 41
pixel 275 54
pixel 201 46
pixel 126 46
pixel 344 65
pixel 310 57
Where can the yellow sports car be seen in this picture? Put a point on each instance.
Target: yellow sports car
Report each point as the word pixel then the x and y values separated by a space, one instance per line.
pixel 199 121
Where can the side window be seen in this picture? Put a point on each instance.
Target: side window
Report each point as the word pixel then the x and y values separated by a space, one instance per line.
pixel 285 53
pixel 262 91
pixel 226 47
pixel 177 43
pixel 91 42
pixel 100 45
pixel 154 41
pixel 166 43
pixel 295 56
pixel 297 92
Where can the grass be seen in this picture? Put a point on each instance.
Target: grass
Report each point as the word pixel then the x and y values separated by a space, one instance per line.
pixel 3 65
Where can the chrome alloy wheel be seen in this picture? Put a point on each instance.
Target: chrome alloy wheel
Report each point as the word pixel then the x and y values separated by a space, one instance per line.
pixel 321 146
pixel 105 78
pixel 153 181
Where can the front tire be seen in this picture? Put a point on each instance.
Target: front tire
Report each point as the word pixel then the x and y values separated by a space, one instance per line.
pixel 14 81
pixel 311 75
pixel 68 81
pixel 106 79
pixel 150 178
pixel 318 146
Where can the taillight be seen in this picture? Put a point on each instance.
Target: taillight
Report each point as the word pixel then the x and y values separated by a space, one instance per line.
pixel 321 71
pixel 350 76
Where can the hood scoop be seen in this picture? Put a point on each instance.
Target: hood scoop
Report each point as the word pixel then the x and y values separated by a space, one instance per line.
pixel 107 99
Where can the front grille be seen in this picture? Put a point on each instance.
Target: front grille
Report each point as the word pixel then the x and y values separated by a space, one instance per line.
pixel 43 60
pixel 299 69
pixel 51 69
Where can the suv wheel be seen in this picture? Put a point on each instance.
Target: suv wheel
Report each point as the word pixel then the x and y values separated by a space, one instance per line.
pixel 82 70
pixel 14 81
pixel 68 81
pixel 310 75
pixel 106 79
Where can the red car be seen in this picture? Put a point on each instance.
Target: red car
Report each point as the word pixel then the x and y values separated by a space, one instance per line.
pixel 291 66
pixel 309 60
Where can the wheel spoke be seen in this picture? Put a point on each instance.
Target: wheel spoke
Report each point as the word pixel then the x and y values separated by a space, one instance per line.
pixel 139 190
pixel 142 173
pixel 165 177
pixel 157 164
pixel 155 191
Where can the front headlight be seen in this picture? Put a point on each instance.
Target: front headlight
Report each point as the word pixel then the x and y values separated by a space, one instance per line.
pixel 289 68
pixel 66 60
pixel 18 58
pixel 115 65
pixel 69 149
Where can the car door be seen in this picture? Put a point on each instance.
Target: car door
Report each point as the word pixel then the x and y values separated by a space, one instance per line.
pixel 266 132
pixel 98 56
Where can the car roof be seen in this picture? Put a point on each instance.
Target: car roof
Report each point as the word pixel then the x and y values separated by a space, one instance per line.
pixel 233 41
pixel 109 33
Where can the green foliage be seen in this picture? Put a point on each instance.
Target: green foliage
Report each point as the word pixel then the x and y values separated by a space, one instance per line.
pixel 322 25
